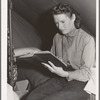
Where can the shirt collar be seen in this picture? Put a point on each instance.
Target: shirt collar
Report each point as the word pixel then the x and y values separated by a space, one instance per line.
pixel 72 33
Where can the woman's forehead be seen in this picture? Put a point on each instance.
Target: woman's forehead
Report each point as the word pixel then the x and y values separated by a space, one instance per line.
pixel 61 16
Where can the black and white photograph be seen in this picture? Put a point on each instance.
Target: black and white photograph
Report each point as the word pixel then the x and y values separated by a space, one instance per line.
pixel 49 50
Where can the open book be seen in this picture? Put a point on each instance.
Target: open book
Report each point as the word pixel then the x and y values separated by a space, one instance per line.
pixel 45 56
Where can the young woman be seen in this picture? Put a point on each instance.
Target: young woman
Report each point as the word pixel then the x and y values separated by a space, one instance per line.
pixel 77 49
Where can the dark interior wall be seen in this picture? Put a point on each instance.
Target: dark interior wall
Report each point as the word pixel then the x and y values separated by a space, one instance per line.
pixel 87 10
pixel 33 11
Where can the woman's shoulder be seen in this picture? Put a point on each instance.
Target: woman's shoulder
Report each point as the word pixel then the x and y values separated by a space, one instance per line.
pixel 57 36
pixel 85 35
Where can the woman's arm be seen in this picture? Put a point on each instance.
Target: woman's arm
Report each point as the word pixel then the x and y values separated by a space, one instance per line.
pixel 82 74
pixel 24 51
pixel 88 57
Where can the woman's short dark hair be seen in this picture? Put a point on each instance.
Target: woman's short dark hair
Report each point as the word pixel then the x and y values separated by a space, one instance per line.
pixel 66 8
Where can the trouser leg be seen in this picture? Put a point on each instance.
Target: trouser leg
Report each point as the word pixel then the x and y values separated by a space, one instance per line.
pixel 73 90
pixel 34 74
pixel 49 87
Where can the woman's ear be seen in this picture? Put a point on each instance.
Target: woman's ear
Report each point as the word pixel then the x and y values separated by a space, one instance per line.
pixel 73 17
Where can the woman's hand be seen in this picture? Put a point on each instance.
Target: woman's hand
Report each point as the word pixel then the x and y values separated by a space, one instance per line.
pixel 54 69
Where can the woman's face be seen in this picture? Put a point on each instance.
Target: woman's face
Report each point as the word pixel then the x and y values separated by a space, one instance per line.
pixel 64 23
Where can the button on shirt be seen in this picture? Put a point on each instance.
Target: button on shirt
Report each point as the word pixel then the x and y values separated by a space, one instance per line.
pixel 78 48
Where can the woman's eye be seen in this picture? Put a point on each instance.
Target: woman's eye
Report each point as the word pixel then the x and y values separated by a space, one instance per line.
pixel 63 22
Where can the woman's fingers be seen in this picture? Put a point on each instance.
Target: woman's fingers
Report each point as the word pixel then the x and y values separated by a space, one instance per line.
pixel 53 66
pixel 48 66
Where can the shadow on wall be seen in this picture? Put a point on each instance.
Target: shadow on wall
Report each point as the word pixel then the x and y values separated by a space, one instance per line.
pixel 26 35
pixel 47 30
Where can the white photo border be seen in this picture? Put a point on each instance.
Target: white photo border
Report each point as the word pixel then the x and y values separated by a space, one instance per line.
pixel 4 17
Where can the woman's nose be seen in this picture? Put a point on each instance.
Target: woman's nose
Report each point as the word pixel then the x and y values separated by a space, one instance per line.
pixel 60 26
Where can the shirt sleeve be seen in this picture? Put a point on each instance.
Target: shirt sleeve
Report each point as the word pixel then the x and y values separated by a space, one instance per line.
pixel 88 57
pixel 53 48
